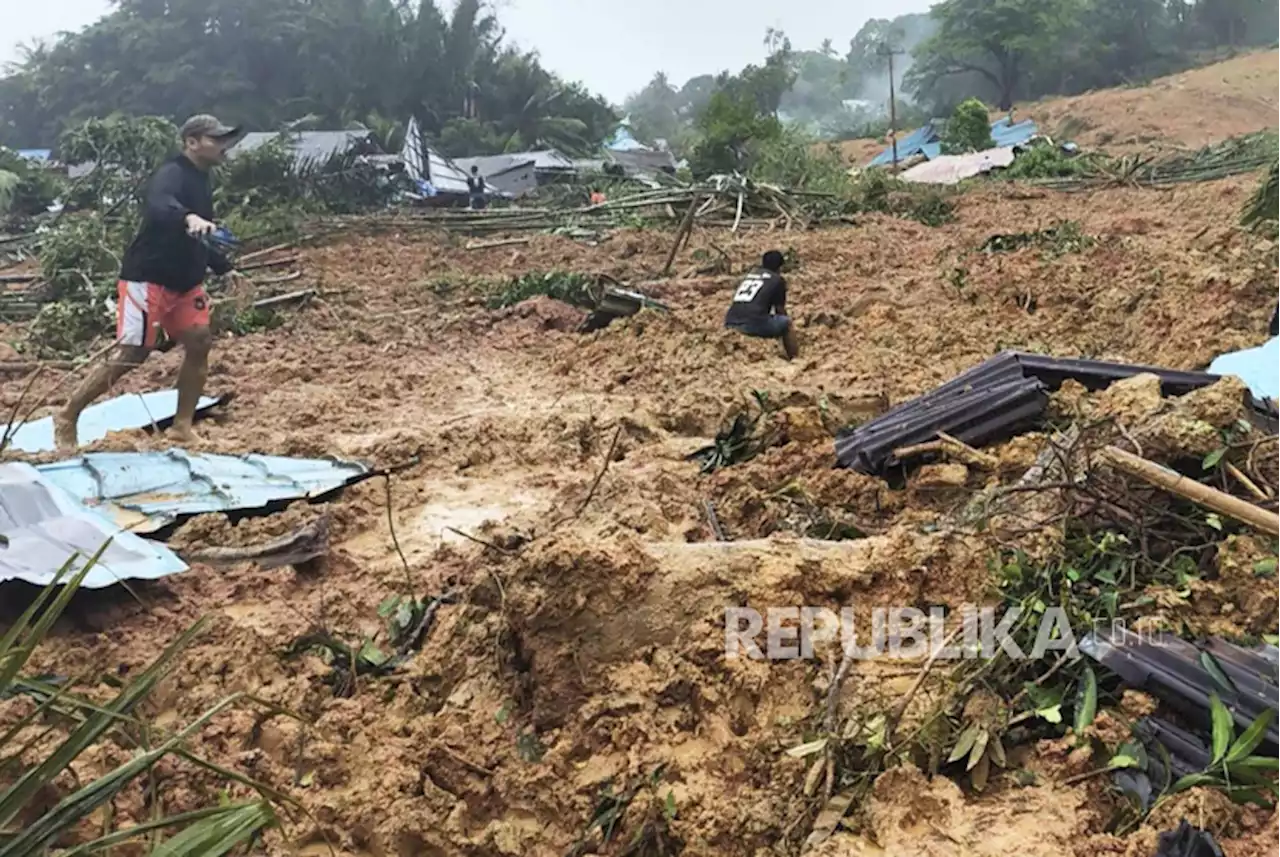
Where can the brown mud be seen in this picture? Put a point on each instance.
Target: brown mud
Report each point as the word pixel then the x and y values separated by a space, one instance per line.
pixel 589 644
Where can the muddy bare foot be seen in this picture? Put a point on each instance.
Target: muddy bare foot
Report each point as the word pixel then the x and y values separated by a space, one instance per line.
pixel 64 432
pixel 184 435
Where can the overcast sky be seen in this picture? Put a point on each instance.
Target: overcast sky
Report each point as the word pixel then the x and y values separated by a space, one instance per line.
pixel 614 46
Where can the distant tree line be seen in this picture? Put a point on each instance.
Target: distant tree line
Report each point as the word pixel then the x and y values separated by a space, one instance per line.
pixel 338 63
pixel 999 51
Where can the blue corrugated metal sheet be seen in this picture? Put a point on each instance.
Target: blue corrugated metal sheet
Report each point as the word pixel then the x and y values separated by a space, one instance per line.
pixel 133 411
pixel 908 146
pixel 150 490
pixel 35 154
pixel 1259 368
pixel 45 527
pixel 927 140
pixel 1012 134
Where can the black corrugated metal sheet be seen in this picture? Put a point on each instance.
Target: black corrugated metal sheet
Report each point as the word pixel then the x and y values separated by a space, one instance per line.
pixel 990 402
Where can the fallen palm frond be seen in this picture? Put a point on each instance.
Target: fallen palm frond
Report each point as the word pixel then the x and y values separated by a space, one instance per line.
pixel 1264 206
pixel 1235 156
pixel 26 826
pixel 743 438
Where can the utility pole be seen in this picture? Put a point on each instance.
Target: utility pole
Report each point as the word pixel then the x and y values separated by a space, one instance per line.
pixel 886 51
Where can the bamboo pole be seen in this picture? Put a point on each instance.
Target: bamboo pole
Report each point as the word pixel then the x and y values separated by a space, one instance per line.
pixel 685 226
pixel 1210 498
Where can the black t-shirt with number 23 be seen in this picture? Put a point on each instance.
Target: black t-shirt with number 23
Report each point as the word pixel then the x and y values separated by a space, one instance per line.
pixel 760 292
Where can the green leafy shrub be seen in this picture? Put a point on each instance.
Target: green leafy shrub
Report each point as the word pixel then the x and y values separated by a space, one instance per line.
pixel 1047 162
pixel 732 129
pixel 26 188
pixel 793 159
pixel 568 286
pixel 1263 209
pixel 968 129
pixel 878 191
pixel 124 151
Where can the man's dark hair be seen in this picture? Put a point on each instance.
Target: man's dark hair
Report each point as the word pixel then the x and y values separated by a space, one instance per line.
pixel 474 169
pixel 772 261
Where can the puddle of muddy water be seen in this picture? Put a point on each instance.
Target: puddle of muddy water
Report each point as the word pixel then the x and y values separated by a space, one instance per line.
pixel 437 521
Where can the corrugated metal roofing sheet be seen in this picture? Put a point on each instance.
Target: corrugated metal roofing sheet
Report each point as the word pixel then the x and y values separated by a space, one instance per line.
pixel 131 411
pixel 992 400
pixel 1007 133
pixel 908 146
pixel 147 491
pixel 492 165
pixel 927 140
pixel 305 145
pixel 1258 367
pixel 952 169
pixel 45 527
pixel 424 163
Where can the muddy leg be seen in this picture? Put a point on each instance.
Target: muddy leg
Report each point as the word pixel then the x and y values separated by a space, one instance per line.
pixel 126 358
pixel 196 343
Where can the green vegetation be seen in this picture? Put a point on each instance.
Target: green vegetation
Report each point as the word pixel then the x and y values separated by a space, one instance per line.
pixel 968 129
pixel 78 724
pixel 1047 162
pixel 26 188
pixel 370 63
pixel 571 287
pixel 1057 240
pixel 997 52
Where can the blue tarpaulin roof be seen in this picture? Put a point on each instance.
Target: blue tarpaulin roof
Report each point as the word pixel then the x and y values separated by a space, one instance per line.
pixel 133 411
pixel 927 140
pixel 146 491
pixel 45 527
pixel 1258 367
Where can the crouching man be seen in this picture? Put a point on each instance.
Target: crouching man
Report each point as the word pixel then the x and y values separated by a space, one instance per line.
pixel 759 305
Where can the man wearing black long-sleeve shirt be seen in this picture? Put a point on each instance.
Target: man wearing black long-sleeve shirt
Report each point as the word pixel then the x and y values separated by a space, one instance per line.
pixel 162 276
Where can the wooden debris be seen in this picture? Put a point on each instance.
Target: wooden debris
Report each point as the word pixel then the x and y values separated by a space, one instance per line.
pixel 270 263
pixel 289 298
pixel 685 227
pixel 1248 483
pixel 501 242
pixel 1211 498
pixel 948 444
pixel 307 543
pixel 266 251
pixel 21 368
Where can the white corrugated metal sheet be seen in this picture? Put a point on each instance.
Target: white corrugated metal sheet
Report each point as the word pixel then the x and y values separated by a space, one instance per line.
pixel 44 527
pixel 422 162
pixel 503 173
pixel 146 491
pixel 130 411
pixel 951 169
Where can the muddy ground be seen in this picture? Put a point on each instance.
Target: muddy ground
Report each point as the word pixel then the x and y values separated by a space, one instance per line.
pixel 588 642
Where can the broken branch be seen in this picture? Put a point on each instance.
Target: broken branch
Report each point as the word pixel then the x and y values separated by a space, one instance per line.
pixel 1211 498
pixel 595 484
